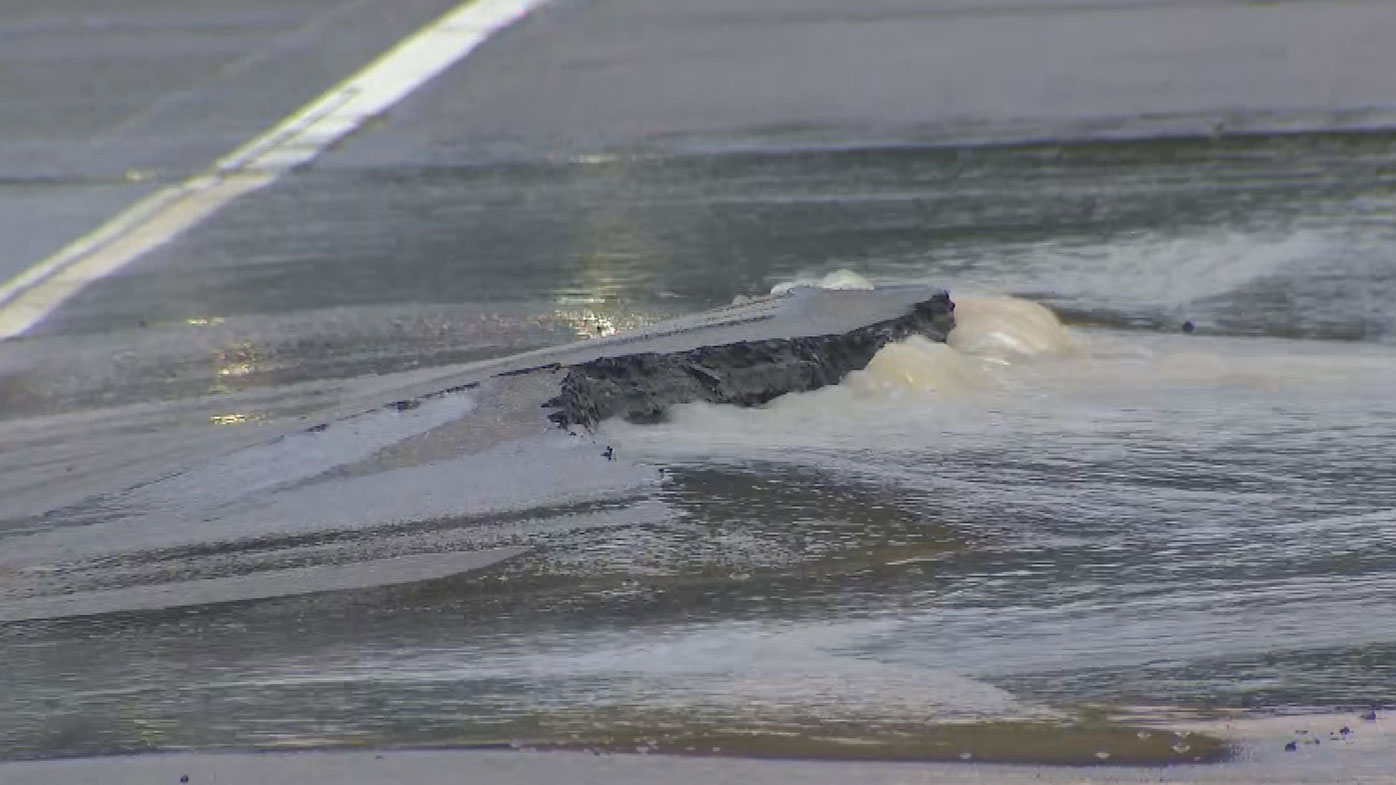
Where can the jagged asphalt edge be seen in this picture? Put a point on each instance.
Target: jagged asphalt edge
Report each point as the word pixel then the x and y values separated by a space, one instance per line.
pixel 641 387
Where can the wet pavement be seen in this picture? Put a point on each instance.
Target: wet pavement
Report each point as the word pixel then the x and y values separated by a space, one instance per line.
pixel 586 78
pixel 1363 760
pixel 102 102
pixel 1165 525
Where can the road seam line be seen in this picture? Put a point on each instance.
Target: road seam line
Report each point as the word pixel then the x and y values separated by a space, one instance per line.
pixel 299 138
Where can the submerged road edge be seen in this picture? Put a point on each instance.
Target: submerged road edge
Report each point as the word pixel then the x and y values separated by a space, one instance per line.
pixel 265 585
pixel 641 387
pixel 745 354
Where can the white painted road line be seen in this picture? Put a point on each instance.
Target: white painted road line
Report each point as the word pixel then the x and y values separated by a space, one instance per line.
pixel 35 293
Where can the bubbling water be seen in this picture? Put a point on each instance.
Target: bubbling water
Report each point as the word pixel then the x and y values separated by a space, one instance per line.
pixel 838 280
pixel 1008 329
pixel 915 365
pixel 990 333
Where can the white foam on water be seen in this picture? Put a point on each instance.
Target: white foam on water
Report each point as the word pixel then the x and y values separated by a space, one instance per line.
pixel 838 280
pixel 915 381
pixel 1008 329
pixel 989 331
pixel 762 667
pixel 914 366
pixel 1145 270
pixel 1009 363
pixel 1174 271
pixel 841 280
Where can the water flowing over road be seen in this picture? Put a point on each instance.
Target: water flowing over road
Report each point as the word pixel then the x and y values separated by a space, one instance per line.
pixel 1146 484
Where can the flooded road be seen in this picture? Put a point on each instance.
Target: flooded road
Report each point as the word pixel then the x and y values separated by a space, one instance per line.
pixel 1039 524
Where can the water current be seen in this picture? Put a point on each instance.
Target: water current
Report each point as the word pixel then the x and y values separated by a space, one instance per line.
pixel 1150 476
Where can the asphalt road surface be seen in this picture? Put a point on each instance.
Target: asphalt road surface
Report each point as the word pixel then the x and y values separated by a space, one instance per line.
pixel 98 104
pixel 600 166
pixel 102 101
